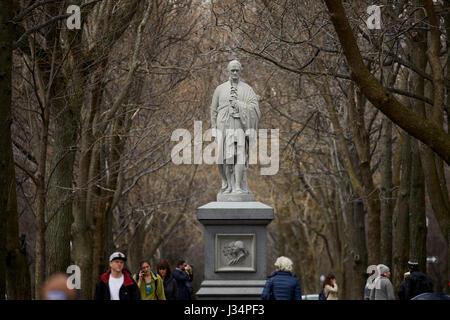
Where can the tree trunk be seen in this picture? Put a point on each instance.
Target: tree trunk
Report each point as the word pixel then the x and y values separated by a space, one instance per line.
pixel 386 193
pixel 417 226
pixel 81 227
pixel 59 208
pixel 360 252
pixel 417 218
pixel 386 197
pixel 6 167
pixel 370 194
pixel 18 282
pixel 401 217
pixel 447 106
pixel 433 166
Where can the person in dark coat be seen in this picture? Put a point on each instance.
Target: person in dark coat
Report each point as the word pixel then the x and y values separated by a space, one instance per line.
pixel 282 284
pixel 170 284
pixel 401 288
pixel 116 283
pixel 184 285
pixel 416 283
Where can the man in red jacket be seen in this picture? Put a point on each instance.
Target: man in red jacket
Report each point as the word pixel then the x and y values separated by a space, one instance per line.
pixel 117 283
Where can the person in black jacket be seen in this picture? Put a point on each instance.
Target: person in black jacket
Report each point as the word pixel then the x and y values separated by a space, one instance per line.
pixel 170 284
pixel 117 283
pixel 415 283
pixel 183 281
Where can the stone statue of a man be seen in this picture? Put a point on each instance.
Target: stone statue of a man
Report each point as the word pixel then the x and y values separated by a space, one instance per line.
pixel 235 115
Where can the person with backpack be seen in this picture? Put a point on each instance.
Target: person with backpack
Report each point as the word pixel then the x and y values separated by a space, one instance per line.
pixel 329 288
pixel 150 283
pixel 116 283
pixel 415 283
pixel 282 284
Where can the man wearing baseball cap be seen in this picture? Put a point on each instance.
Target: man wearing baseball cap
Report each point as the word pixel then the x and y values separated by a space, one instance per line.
pixel 116 283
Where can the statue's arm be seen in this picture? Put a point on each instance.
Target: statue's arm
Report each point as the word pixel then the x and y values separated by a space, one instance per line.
pixel 250 103
pixel 253 104
pixel 214 107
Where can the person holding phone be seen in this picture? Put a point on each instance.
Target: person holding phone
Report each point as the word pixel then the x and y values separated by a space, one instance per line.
pixel 150 284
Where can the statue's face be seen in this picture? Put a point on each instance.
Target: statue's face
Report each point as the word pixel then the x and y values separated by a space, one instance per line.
pixel 234 72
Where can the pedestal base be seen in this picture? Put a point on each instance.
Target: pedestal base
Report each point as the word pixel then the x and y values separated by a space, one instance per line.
pixel 235 197
pixel 231 290
pixel 235 249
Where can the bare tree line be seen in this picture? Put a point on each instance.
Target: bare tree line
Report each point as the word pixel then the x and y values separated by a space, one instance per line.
pixel 363 119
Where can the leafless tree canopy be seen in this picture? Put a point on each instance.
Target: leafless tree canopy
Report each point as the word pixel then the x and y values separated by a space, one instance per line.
pixel 88 115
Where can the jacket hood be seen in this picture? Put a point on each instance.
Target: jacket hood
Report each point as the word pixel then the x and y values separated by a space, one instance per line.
pixel 127 280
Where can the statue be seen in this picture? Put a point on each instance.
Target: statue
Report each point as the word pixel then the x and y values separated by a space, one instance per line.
pixel 235 115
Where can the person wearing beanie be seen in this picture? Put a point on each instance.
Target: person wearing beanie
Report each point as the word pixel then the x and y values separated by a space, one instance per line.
pixel 383 290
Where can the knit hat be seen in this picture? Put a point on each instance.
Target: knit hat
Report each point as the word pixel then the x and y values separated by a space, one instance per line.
pixel 383 269
pixel 117 255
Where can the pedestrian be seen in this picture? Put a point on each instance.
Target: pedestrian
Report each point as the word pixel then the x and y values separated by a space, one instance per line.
pixel 383 288
pixel 150 284
pixel 369 285
pixel 401 288
pixel 170 284
pixel 330 288
pixel 184 285
pixel 282 284
pixel 190 272
pixel 56 288
pixel 117 283
pixel 416 283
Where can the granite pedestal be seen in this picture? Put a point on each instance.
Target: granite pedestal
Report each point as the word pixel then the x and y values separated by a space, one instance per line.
pixel 235 249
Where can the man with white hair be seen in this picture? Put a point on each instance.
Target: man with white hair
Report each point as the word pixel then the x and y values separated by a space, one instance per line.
pixel 234 110
pixel 282 284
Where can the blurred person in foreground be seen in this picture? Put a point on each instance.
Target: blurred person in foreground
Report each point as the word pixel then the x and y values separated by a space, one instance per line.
pixel 56 288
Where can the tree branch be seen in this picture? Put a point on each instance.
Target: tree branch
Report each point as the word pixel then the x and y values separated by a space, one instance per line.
pixel 422 129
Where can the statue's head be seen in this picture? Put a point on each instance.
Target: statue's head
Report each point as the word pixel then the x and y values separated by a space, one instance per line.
pixel 234 69
pixel 239 244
